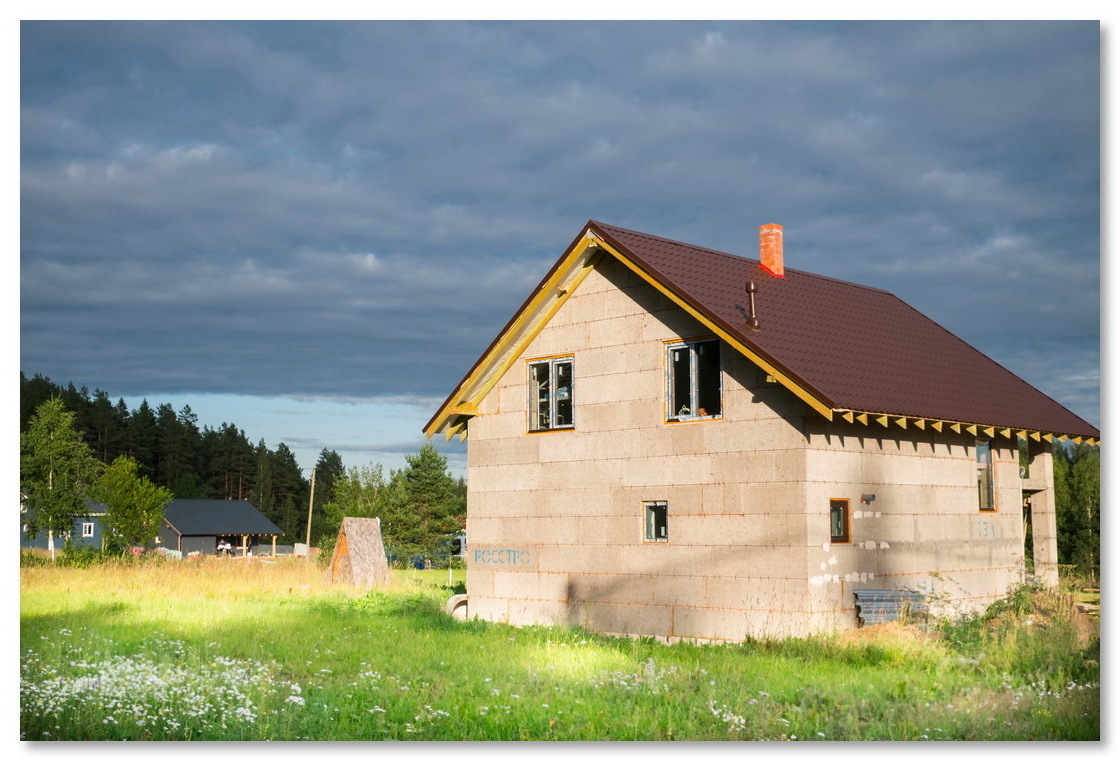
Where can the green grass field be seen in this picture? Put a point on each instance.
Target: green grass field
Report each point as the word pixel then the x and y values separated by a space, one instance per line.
pixel 234 650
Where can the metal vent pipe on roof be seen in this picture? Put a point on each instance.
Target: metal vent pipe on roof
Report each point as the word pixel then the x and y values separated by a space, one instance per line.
pixel 752 318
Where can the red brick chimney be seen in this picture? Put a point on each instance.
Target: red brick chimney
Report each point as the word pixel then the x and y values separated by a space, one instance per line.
pixel 770 249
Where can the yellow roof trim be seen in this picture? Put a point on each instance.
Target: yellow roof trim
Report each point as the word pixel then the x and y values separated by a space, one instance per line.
pixel 853 416
pixel 550 296
pixel 566 276
pixel 822 408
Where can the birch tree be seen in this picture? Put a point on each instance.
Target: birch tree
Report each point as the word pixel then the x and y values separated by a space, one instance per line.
pixel 57 469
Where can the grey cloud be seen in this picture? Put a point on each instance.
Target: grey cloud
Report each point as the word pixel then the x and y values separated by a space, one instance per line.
pixel 354 209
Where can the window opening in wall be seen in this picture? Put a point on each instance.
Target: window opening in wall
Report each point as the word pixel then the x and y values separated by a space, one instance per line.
pixel 839 523
pixel 695 382
pixel 657 520
pixel 87 530
pixel 984 486
pixel 550 388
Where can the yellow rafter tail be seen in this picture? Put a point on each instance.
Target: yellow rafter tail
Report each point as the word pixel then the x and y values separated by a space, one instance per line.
pixel 849 416
pixel 1078 440
pixel 900 421
pixel 971 429
pixel 1048 437
pixel 1005 432
pixel 453 430
pixel 990 432
pixel 1035 435
pixel 882 420
pixel 920 423
pixel 937 425
pixel 862 418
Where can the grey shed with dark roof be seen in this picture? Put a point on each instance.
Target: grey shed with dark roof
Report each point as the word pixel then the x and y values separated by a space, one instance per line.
pixel 197 525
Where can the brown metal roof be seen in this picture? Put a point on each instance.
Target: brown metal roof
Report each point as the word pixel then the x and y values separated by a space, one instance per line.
pixel 851 346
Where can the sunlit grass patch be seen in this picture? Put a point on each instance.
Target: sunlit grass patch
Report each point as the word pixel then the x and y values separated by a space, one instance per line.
pixel 109 655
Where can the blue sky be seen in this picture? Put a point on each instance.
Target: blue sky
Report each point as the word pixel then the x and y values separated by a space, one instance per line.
pixel 312 229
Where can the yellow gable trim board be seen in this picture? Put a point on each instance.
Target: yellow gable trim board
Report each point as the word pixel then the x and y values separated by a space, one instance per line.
pixel 532 330
pixel 540 310
pixel 797 390
pixel 548 299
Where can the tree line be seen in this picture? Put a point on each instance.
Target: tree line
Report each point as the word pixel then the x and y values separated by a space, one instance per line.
pixel 421 507
pixel 1077 501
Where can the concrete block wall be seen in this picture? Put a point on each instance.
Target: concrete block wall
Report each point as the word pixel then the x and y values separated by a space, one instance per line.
pixel 556 522
pixel 924 530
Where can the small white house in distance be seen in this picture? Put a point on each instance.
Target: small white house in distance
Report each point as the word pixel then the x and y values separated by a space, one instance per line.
pixel 675 442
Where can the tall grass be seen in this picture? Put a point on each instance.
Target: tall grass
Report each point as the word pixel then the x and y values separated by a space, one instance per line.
pixel 269 650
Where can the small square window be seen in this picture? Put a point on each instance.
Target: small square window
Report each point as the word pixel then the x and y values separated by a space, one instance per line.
pixel 838 519
pixel 657 520
pixel 87 530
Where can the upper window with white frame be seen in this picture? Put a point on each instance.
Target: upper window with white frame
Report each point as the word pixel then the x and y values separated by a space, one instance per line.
pixel 87 530
pixel 695 384
pixel 551 394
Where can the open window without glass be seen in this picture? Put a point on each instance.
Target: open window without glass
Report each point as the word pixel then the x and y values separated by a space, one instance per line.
pixel 550 394
pixel 695 382
pixel 657 520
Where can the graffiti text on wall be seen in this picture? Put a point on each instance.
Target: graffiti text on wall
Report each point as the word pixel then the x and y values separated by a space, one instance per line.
pixel 502 556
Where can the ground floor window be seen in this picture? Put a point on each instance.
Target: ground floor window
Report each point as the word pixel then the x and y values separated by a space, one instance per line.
pixel 87 530
pixel 839 522
pixel 657 520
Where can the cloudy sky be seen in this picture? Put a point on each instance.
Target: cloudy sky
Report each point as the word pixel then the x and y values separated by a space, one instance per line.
pixel 313 229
